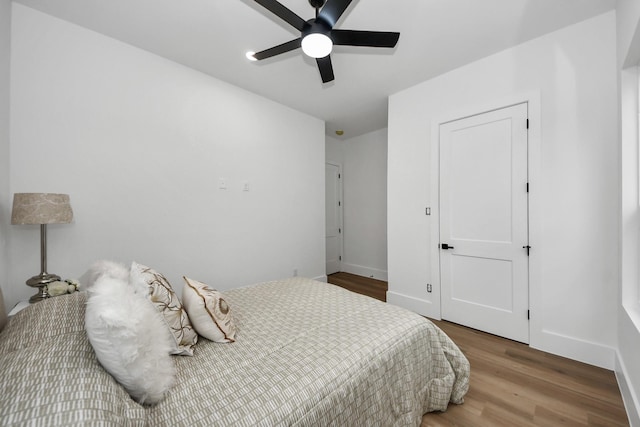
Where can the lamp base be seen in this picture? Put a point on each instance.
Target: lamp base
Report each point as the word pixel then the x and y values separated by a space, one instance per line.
pixel 41 281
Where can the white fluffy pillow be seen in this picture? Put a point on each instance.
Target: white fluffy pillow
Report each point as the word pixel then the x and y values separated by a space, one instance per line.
pixel 209 312
pixel 104 268
pixel 130 339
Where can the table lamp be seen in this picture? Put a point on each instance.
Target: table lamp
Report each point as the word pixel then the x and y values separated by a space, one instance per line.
pixel 42 209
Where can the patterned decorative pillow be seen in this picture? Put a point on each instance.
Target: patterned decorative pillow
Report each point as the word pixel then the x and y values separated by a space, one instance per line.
pixel 157 289
pixel 209 311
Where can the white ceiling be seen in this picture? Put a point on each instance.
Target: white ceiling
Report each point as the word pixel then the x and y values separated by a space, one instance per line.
pixel 212 36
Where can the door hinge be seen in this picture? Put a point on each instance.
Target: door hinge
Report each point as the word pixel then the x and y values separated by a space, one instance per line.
pixel 339 230
pixel 340 203
pixel 528 248
pixel 339 175
pixel 427 211
pixel 339 257
pixel 527 123
pixel 528 314
pixel 527 187
pixel 429 288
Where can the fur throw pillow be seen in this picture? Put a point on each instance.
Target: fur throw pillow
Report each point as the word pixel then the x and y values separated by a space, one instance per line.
pixel 104 268
pixel 130 339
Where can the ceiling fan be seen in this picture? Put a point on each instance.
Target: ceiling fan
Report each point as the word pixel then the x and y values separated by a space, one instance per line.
pixel 317 35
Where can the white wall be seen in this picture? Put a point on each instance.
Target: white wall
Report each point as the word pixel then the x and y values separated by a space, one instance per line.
pixel 365 205
pixel 140 143
pixel 628 363
pixel 333 150
pixel 364 172
pixel 574 195
pixel 5 200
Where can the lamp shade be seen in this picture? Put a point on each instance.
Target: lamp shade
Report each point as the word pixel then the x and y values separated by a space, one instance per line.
pixel 41 208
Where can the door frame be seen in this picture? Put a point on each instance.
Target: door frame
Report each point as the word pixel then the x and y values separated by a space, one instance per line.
pixel 534 165
pixel 341 215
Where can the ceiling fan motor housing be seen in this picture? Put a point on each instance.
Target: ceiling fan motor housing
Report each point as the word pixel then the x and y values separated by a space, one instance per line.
pixel 316 3
pixel 316 26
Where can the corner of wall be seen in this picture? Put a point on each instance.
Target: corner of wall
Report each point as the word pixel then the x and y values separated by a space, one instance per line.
pixel 322 278
pixel 5 83
pixel 627 367
pixel 629 396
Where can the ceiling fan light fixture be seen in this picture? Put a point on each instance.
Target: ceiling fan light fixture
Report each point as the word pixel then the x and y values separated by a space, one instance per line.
pixel 317 35
pixel 317 45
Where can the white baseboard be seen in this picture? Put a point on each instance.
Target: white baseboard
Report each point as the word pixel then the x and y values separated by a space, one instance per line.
pixel 629 396
pixel 365 271
pixel 321 278
pixel 420 306
pixel 573 348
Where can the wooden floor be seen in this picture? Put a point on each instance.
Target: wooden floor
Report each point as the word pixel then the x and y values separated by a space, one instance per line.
pixel 515 385
pixel 362 285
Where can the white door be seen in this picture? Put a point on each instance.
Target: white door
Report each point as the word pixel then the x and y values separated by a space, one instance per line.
pixel 333 206
pixel 484 266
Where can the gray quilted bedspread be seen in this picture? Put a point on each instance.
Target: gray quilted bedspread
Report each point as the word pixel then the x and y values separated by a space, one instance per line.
pixel 306 353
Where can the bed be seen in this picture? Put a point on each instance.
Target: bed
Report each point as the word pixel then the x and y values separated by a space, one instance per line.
pixel 305 353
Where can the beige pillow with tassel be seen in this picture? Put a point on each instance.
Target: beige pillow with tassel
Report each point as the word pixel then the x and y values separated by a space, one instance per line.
pixel 208 311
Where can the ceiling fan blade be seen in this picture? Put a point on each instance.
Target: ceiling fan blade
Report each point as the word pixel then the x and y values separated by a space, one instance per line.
pixel 333 10
pixel 283 13
pixel 326 69
pixel 364 38
pixel 277 50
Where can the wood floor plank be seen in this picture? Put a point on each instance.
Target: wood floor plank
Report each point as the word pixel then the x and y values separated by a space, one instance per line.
pixel 514 385
pixel 362 285
pixel 540 388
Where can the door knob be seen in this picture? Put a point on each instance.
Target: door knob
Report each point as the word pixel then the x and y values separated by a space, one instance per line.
pixel 446 246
